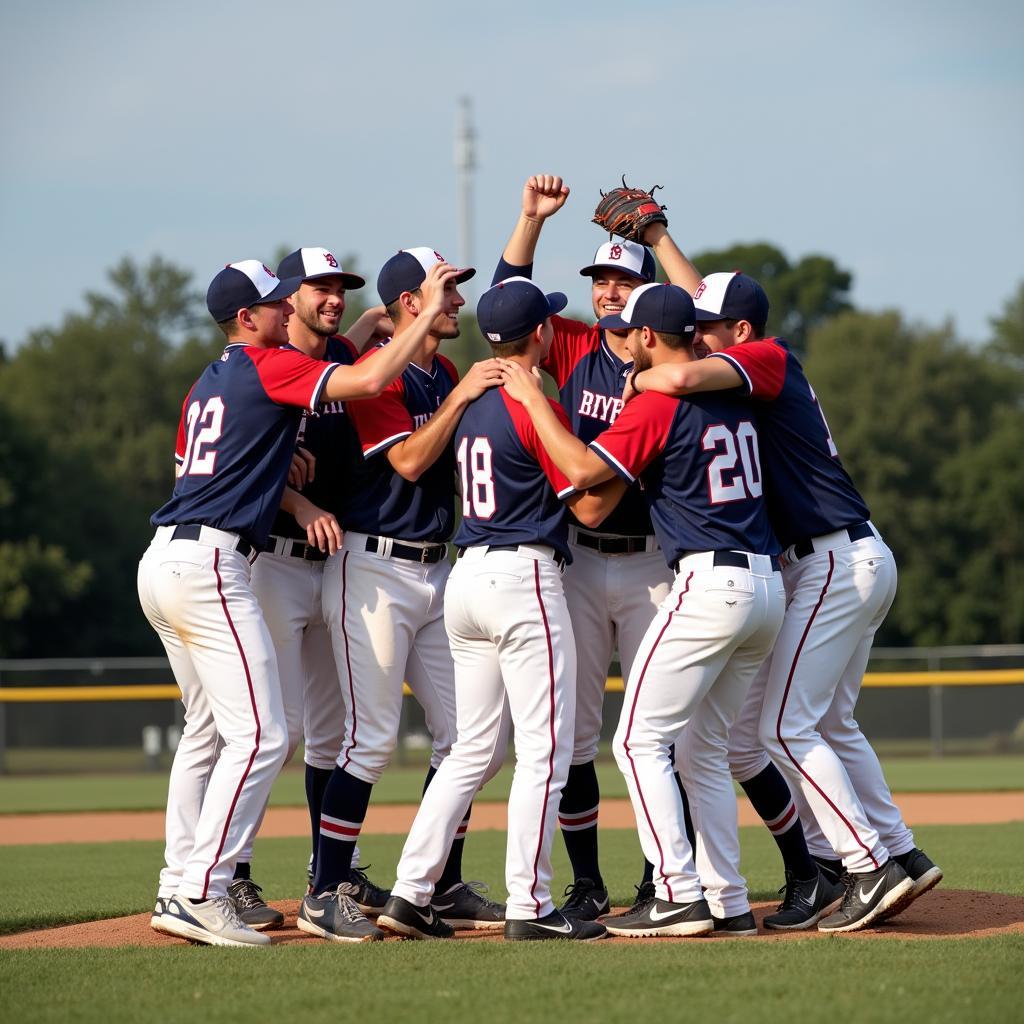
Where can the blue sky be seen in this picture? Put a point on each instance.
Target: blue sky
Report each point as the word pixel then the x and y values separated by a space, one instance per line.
pixel 886 135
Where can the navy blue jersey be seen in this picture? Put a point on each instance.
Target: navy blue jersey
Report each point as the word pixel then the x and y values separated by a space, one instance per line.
pixel 700 468
pixel 236 438
pixel 590 379
pixel 384 502
pixel 807 490
pixel 510 486
pixel 328 433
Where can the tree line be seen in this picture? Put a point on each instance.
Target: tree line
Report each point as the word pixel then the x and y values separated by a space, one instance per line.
pixel 928 425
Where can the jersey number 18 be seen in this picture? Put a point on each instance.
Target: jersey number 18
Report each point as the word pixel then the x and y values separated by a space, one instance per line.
pixel 477 478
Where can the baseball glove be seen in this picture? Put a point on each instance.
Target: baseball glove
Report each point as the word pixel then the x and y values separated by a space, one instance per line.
pixel 626 212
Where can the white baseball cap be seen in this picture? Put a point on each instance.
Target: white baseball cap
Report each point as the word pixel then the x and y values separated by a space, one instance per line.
pixel 244 284
pixel 629 257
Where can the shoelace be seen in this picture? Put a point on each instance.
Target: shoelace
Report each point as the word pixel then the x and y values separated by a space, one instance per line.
pixel 359 875
pixel 578 893
pixel 246 893
pixel 229 911
pixel 349 908
pixel 478 889
pixel 645 896
pixel 849 884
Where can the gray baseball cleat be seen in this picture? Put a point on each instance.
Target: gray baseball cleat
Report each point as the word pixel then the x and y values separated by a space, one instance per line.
pixel 213 922
pixel 867 897
pixel 804 903
pixel 464 905
pixel 252 907
pixel 336 916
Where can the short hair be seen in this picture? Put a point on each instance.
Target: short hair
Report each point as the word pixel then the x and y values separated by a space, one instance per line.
pixel 757 329
pixel 515 347
pixel 228 327
pixel 673 341
pixel 395 307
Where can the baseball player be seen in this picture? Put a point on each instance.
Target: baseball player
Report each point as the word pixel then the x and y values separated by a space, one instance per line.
pixel 511 639
pixel 235 443
pixel 383 594
pixel 701 475
pixel 840 581
pixel 618 576
pixel 287 578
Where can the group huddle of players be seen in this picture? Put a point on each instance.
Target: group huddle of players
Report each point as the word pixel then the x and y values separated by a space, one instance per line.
pixel 682 503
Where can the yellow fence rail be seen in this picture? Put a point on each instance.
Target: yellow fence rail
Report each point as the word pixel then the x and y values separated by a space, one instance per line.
pixel 168 691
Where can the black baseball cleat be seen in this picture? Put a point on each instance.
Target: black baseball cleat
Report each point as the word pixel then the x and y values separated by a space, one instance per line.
pixel 464 905
pixel 587 901
pixel 923 872
pixel 659 917
pixel 369 898
pixel 645 894
pixel 736 926
pixel 867 896
pixel 406 919
pixel 554 926
pixel 252 907
pixel 833 870
pixel 804 903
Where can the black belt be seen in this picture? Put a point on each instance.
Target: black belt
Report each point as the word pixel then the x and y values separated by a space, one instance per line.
pixel 739 559
pixel 192 531
pixel 612 545
pixel 559 559
pixel 804 548
pixel 427 555
pixel 296 548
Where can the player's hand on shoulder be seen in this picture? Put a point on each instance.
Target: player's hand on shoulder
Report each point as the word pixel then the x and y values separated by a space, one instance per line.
pixel 303 468
pixel 433 287
pixel 543 195
pixel 479 377
pixel 322 529
pixel 522 385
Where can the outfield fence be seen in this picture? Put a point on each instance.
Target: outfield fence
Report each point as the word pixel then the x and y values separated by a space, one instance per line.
pixel 61 712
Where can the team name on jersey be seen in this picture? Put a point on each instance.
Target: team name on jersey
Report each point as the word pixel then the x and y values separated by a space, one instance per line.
pixel 599 407
pixel 420 418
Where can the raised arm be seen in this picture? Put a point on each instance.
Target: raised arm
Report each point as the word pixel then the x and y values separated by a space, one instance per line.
pixel 373 325
pixel 677 267
pixel 543 196
pixel 369 377
pixel 580 465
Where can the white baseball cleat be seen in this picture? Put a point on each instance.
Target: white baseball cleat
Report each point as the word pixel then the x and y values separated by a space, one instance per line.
pixel 213 922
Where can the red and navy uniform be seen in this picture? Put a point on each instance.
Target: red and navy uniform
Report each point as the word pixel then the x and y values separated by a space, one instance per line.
pixel 329 435
pixel 510 486
pixel 385 503
pixel 590 379
pixel 236 438
pixel 808 491
pixel 701 473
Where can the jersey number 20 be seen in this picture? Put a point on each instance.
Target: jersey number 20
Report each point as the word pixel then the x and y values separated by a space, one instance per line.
pixel 200 458
pixel 477 478
pixel 726 480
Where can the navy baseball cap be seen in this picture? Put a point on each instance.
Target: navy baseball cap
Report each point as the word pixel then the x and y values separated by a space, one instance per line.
pixel 241 285
pixel 629 257
pixel 514 307
pixel 407 270
pixel 662 307
pixel 309 264
pixel 731 296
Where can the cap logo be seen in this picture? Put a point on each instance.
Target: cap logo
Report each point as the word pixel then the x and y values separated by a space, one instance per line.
pixel 493 337
pixel 331 261
pixel 701 288
pixel 440 258
pixel 269 271
pixel 615 252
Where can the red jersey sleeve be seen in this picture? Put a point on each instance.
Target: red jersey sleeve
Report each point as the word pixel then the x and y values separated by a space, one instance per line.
pixel 638 435
pixel 572 341
pixel 531 442
pixel 290 377
pixel 761 364
pixel 381 421
pixel 182 442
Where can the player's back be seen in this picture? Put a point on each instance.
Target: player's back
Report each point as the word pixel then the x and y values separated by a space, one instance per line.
pixel 236 438
pixel 808 491
pixel 508 482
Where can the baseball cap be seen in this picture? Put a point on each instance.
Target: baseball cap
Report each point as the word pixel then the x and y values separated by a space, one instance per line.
pixel 662 307
pixel 311 263
pixel 630 258
pixel 514 307
pixel 731 296
pixel 407 270
pixel 244 284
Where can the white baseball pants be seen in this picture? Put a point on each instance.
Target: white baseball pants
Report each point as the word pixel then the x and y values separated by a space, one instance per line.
pixel 689 679
pixel 837 598
pixel 512 643
pixel 611 599
pixel 198 598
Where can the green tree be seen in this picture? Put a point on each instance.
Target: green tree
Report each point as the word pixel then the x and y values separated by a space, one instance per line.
pixel 1007 342
pixel 802 295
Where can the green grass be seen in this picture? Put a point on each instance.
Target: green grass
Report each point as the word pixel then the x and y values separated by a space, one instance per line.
pixel 49 885
pixel 148 791
pixel 835 981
